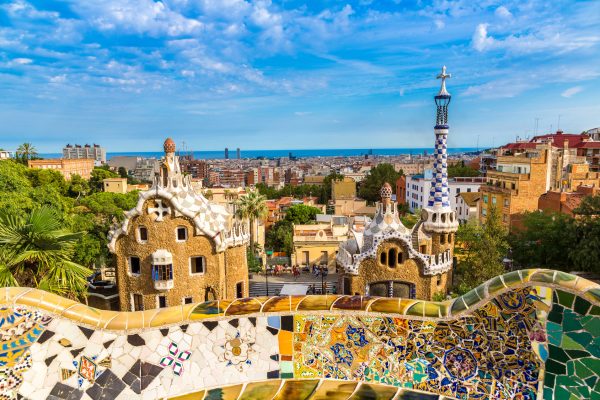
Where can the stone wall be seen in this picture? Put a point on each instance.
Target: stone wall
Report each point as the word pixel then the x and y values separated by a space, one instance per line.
pixel 529 334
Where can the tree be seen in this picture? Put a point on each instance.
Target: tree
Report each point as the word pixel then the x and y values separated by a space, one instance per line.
pixel 301 214
pixel 25 152
pixel 280 237
pixel 37 252
pixel 122 171
pixel 585 251
pixel 484 247
pixel 252 207
pixel 543 242
pixel 98 175
pixel 78 186
pixel 463 170
pixel 371 185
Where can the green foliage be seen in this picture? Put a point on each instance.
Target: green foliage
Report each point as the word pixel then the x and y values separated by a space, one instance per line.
pixel 301 214
pixel 377 176
pixel 280 237
pixel 544 241
pixel 558 241
pixel 123 172
pixel 438 296
pixel 253 206
pixel 37 251
pixel 409 220
pixel 26 152
pixel 253 262
pixel 78 186
pixel 98 175
pixel 483 248
pixel 462 170
pixel 323 192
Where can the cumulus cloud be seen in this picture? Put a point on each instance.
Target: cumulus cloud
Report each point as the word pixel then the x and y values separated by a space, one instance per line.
pixel 548 38
pixel 502 12
pixel 22 61
pixel 481 41
pixel 570 92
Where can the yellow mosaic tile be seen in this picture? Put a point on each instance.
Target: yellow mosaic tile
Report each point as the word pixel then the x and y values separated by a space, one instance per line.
pixel 385 305
pixel 31 298
pixel 374 392
pixel 334 390
pixel 82 313
pixel 54 303
pixel 166 316
pixel 261 390
pixel 277 304
pixel 209 309
pixel 297 389
pixel 225 393
pixel 243 306
pixel 321 302
pixel 192 396
pixel 352 303
pixel 117 322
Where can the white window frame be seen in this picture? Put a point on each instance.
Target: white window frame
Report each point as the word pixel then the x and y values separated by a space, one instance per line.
pixel 183 303
pixel 203 263
pixel 129 271
pixel 139 235
pixel 132 303
pixel 177 234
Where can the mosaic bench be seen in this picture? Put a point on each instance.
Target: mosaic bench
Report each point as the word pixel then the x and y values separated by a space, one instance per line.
pixel 528 334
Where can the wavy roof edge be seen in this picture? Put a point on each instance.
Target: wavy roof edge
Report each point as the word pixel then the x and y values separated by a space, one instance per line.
pixel 397 307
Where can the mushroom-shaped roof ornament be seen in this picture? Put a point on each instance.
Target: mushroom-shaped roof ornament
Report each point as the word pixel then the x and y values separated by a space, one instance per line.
pixel 169 146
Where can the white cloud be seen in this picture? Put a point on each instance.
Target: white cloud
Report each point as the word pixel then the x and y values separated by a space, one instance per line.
pixel 481 41
pixel 58 78
pixel 137 16
pixel 570 92
pixel 503 12
pixel 547 38
pixel 302 113
pixel 22 61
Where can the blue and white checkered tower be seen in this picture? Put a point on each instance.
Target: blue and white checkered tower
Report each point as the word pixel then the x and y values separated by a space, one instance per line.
pixel 438 216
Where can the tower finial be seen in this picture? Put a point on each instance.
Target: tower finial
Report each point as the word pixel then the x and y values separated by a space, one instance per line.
pixel 443 76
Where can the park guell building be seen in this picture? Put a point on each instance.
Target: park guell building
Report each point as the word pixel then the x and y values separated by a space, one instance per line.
pixel 387 259
pixel 530 334
pixel 176 247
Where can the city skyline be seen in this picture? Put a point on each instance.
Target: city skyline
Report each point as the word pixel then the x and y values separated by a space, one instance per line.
pixel 283 75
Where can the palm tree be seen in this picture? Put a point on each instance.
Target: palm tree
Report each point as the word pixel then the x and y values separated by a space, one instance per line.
pixel 252 206
pixel 36 251
pixel 26 151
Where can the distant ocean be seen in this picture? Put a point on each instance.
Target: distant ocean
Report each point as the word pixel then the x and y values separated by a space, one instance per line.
pixel 285 153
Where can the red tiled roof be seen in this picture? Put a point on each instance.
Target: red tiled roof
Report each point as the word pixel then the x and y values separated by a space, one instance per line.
pixel 520 145
pixel 589 145
pixel 558 139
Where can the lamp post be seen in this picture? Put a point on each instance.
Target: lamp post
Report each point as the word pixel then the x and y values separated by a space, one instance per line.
pixel 269 254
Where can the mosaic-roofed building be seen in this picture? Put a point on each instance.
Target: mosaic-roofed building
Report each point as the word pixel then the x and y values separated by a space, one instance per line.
pixel 388 259
pixel 176 247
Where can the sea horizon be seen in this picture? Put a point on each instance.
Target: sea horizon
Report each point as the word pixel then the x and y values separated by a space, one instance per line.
pixel 298 153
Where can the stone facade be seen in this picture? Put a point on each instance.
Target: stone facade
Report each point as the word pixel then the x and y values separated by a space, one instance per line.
pixel 176 247
pixel 388 259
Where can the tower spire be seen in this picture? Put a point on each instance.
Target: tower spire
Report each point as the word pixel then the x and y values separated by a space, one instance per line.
pixel 440 216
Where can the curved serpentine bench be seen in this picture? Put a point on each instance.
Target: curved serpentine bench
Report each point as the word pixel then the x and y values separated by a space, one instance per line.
pixel 529 334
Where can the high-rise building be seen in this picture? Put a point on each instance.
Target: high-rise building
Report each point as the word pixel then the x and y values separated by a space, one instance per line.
pixel 390 260
pixel 238 153
pixel 226 153
pixel 94 152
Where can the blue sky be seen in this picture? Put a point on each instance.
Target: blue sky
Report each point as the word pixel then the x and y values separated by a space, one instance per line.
pixel 293 74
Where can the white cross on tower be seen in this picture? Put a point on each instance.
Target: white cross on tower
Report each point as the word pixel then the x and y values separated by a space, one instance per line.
pixel 443 76
pixel 159 210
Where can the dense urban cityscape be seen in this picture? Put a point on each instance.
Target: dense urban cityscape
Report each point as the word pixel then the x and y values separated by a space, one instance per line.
pixel 140 265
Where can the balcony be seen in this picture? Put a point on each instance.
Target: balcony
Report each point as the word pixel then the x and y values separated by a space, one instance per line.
pixel 162 276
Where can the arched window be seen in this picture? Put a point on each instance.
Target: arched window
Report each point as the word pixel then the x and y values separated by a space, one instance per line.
pixel 383 258
pixel 442 239
pixel 392 257
pixel 400 257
